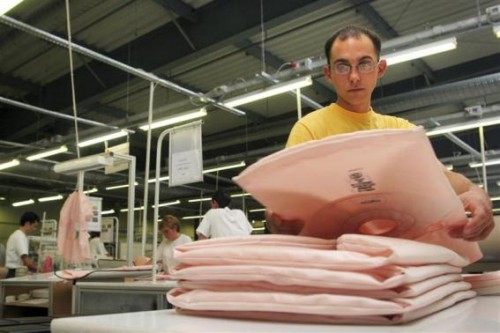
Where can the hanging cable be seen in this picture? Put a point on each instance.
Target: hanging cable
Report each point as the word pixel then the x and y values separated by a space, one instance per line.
pixel 73 98
pixel 263 36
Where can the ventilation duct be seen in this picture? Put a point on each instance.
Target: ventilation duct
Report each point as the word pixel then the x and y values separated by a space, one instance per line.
pixel 452 92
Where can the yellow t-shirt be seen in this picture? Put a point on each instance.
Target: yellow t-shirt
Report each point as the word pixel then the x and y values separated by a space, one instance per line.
pixel 333 119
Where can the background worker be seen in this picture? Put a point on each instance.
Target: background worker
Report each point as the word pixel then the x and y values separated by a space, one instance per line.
pixel 17 249
pixel 221 221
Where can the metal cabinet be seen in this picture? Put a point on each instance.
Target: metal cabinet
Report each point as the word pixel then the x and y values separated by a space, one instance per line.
pixel 91 298
pixel 57 303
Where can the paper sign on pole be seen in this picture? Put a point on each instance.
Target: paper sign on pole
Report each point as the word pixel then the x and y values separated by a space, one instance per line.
pixel 185 155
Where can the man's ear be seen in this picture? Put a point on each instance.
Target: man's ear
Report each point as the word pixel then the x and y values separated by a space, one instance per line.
pixel 381 68
pixel 327 73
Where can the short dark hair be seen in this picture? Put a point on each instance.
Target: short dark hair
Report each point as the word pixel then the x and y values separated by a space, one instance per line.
pixel 222 198
pixel 29 217
pixel 355 32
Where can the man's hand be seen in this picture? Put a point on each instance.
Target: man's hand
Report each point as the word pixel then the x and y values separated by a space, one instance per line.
pixel 481 222
pixel 278 225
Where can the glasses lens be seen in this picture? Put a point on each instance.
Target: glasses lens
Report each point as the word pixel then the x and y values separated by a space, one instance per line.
pixel 342 68
pixel 366 67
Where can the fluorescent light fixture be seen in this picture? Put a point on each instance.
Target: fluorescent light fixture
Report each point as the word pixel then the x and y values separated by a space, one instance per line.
pixel 86 163
pixel 495 199
pixel 199 200
pixel 240 195
pixel 6 5
pixel 23 203
pixel 124 210
pixel 10 164
pixel 4 198
pixel 498 184
pixel 171 203
pixel 232 196
pixel 92 190
pixel 496 30
pixel 421 51
pixel 215 169
pixel 269 91
pixel 107 212
pixel 47 153
pixel 51 198
pixel 256 210
pixel 176 119
pixel 115 187
pixel 192 217
pixel 496 210
pixel 259 229
pixel 464 126
pixel 161 179
pixel 226 167
pixel 449 166
pixel 102 138
pixel 486 163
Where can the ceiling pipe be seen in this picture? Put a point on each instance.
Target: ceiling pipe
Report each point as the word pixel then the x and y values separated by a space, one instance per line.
pixel 114 63
pixel 54 113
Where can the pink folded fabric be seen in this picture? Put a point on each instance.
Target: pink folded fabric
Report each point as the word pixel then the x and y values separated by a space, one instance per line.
pixel 408 290
pixel 444 303
pixel 72 236
pixel 318 304
pixel 485 283
pixel 400 251
pixel 355 252
pixel 376 279
pixel 361 183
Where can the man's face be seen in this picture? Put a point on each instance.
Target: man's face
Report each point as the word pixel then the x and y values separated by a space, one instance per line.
pixel 354 87
pixel 32 227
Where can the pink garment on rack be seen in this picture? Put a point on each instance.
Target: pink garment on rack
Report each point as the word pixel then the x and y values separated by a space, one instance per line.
pixel 362 182
pixel 336 319
pixel 318 304
pixel 73 237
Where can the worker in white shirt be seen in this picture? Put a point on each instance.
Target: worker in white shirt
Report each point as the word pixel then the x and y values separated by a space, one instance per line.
pixel 221 221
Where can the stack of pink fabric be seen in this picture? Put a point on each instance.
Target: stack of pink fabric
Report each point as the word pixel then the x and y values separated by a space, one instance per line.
pixel 354 279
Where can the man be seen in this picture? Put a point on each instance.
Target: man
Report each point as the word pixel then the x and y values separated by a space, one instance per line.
pixel 354 66
pixel 170 228
pixel 17 249
pixel 221 221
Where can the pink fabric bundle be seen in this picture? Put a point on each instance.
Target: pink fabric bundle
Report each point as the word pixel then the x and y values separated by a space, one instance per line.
pixel 362 182
pixel 73 237
pixel 484 284
pixel 363 279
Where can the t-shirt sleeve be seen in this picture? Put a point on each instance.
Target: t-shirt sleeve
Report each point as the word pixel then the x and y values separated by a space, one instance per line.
pixel 21 247
pixel 204 227
pixel 299 134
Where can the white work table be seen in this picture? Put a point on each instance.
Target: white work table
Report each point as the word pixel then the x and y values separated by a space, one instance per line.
pixel 481 314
